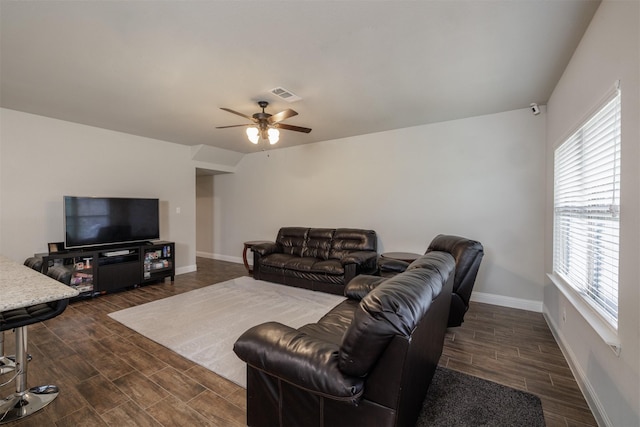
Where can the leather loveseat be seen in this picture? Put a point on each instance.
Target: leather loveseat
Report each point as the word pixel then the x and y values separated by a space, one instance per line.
pixel 369 361
pixel 468 255
pixel 320 259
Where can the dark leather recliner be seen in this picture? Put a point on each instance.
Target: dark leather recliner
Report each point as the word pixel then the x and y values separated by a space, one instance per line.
pixel 320 259
pixel 468 255
pixel 369 361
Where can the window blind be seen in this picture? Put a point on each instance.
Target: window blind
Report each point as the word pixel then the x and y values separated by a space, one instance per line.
pixel 587 208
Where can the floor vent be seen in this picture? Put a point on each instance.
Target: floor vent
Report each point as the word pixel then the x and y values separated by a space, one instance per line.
pixel 285 94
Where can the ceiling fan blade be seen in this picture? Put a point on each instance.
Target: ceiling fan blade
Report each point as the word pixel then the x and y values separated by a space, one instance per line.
pixel 282 115
pixel 294 128
pixel 232 126
pixel 238 114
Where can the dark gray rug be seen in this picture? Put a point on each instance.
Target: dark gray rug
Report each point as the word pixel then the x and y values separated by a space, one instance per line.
pixel 457 399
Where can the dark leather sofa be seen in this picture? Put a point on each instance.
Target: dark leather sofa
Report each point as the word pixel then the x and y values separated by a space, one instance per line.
pixel 321 259
pixel 468 255
pixel 368 362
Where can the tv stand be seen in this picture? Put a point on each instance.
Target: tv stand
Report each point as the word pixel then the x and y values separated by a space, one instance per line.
pixel 98 270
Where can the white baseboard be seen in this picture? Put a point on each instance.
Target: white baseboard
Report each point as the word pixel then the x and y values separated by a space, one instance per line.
pixel 522 304
pixel 236 259
pixel 186 269
pixel 583 382
pixel 208 255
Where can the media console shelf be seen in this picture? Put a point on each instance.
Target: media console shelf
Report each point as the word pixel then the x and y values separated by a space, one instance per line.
pixel 105 269
pixel 158 262
pixel 82 266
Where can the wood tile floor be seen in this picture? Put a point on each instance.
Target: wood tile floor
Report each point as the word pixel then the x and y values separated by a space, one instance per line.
pixel 111 376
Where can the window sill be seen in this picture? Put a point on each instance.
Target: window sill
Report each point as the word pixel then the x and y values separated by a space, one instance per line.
pixel 599 325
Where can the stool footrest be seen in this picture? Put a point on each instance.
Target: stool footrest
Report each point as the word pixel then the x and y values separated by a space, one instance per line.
pixel 20 405
pixel 7 364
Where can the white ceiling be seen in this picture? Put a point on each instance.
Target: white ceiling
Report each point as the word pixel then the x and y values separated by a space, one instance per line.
pixel 162 69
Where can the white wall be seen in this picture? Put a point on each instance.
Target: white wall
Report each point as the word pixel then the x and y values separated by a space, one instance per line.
pixel 482 178
pixel 42 159
pixel 609 50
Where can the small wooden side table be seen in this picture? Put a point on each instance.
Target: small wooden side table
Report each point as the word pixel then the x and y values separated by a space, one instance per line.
pixel 401 256
pixel 249 245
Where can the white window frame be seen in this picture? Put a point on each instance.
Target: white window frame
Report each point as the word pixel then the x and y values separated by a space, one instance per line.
pixel 585 212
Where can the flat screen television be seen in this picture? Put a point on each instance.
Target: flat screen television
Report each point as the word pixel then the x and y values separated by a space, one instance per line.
pixel 99 221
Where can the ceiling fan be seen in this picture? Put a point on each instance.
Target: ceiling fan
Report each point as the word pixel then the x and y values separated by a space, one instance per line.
pixel 266 125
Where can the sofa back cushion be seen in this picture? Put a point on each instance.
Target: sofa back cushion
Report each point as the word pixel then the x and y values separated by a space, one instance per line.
pixel 292 240
pixel 325 243
pixel 346 240
pixel 394 307
pixel 318 243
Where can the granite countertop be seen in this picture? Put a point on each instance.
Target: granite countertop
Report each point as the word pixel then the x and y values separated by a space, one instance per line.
pixel 21 286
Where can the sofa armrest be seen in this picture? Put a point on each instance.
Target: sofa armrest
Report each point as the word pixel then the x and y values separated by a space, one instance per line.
pixel 358 262
pixel 361 285
pixel 264 249
pixel 392 265
pixel 362 258
pixel 297 358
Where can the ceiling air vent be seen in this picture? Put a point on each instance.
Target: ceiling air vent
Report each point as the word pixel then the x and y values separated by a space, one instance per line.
pixel 285 94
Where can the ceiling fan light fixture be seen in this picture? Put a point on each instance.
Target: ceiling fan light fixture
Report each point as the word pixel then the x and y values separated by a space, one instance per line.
pixel 265 126
pixel 274 135
pixel 253 134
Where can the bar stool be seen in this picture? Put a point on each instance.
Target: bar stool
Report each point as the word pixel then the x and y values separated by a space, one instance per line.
pixel 25 401
pixel 34 262
pixel 8 363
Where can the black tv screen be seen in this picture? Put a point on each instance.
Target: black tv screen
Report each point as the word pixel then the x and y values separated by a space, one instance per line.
pixel 94 221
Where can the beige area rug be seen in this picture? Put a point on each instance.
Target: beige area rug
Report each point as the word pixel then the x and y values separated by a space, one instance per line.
pixel 202 325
